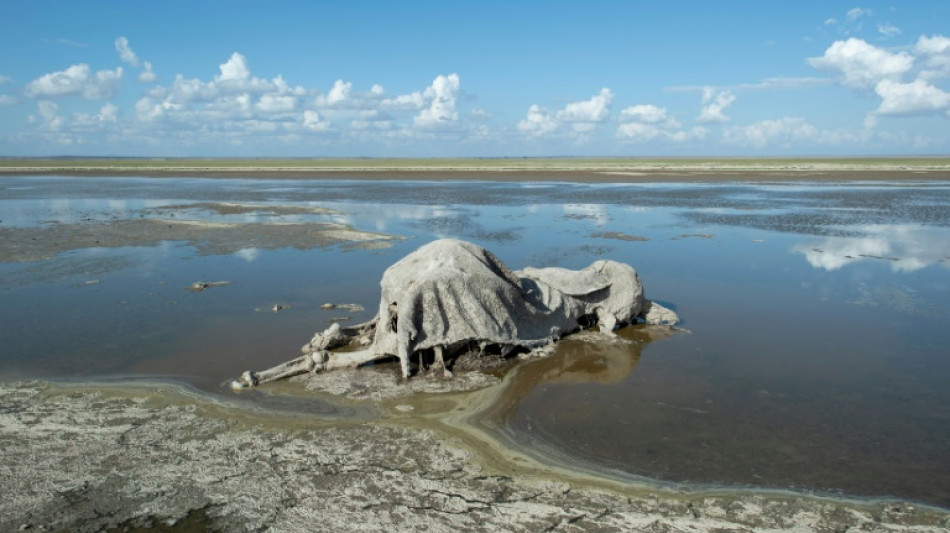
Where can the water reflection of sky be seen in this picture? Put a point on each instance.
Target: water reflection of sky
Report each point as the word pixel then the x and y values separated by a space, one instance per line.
pixel 799 296
pixel 907 248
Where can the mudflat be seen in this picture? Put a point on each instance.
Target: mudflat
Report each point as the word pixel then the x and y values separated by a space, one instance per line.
pixel 362 447
pixel 581 170
pixel 96 456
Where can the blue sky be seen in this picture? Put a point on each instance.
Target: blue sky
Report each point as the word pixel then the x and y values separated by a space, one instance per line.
pixel 442 79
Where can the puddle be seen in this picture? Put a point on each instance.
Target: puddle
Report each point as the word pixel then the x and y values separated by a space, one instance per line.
pixel 817 359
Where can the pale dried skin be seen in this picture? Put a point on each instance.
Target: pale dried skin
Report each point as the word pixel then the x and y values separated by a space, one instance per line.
pixel 451 295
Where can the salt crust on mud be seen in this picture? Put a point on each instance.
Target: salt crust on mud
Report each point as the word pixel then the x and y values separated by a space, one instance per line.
pixel 83 460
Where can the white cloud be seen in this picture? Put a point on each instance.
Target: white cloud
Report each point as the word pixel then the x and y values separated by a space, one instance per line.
pixel 647 114
pixel 831 21
pixel 338 96
pixel 147 75
pixel 860 64
pixel 912 247
pixel 936 53
pixel 228 96
pixel 125 52
pixel 596 109
pixel 647 122
pixel 77 80
pixel 582 117
pixel 538 122
pixel 339 93
pixel 412 101
pixel 714 103
pixel 784 131
pixel 313 122
pixel 108 114
pixel 48 116
pixel 235 68
pixel 917 97
pixel 277 103
pixel 443 97
pixel 342 96
pixel 936 45
pixel 888 30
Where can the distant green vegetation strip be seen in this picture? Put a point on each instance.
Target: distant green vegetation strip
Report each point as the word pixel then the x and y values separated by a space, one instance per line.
pixel 9 165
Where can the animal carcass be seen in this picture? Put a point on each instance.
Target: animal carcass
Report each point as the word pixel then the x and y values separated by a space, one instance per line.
pixel 451 296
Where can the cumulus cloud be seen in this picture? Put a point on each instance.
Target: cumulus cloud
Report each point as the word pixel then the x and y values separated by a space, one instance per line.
pixel 234 69
pixel 935 51
pixel 784 131
pixel 596 109
pixel 442 96
pixel 48 114
pixel 646 114
pixel 914 98
pixel 108 114
pixel 538 122
pixel 277 103
pixel 412 101
pixel 714 103
pixel 862 65
pixel 582 117
pixel 77 80
pixel 647 122
pixel 313 122
pixel 125 52
pixel 230 95
pixel 339 93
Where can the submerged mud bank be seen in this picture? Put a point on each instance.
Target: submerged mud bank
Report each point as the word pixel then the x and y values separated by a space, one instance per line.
pixel 89 458
pixel 28 244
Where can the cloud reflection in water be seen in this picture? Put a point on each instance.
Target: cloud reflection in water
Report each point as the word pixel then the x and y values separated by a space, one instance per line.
pixel 908 247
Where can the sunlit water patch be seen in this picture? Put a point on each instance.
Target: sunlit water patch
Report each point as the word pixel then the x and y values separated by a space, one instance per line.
pixel 816 358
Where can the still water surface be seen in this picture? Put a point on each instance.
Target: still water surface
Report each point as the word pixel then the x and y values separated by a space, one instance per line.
pixel 818 314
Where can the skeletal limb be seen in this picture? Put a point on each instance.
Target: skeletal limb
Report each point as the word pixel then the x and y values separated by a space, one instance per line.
pixel 293 367
pixel 403 355
pixel 440 360
pixel 315 362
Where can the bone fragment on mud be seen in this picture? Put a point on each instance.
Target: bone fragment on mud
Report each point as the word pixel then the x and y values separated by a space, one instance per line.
pixel 200 286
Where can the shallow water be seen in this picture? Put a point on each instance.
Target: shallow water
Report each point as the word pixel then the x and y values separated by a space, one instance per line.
pixel 818 312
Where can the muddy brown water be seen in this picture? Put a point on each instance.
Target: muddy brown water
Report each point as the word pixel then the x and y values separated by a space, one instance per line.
pixel 817 353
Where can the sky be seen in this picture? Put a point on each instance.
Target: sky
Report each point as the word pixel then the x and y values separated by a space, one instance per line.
pixel 486 79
